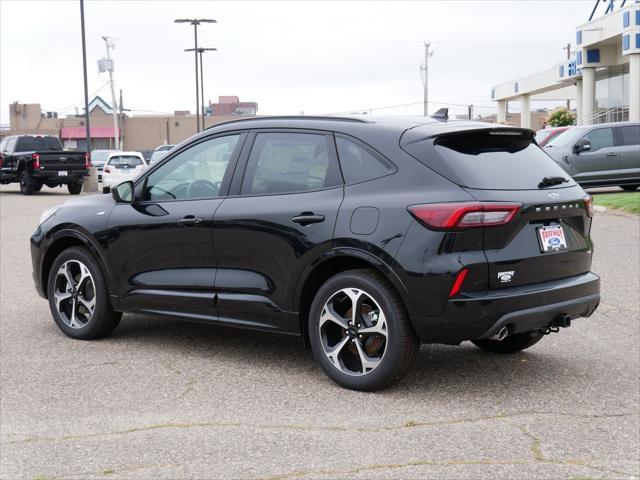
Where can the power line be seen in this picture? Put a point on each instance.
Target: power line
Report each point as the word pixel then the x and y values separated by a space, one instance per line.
pixel 386 107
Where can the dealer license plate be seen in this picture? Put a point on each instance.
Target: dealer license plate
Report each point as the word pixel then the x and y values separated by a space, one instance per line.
pixel 552 238
pixel 62 173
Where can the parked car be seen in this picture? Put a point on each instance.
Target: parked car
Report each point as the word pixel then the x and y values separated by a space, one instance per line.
pixel 98 159
pixel 121 166
pixel 365 237
pixel 606 154
pixel 37 160
pixel 159 153
pixel 545 135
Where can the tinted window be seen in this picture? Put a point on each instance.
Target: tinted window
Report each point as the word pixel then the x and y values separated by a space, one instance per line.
pixel 358 164
pixel 27 144
pixel 630 135
pixel 125 161
pixel 488 160
pixel 288 162
pixel 600 138
pixel 194 173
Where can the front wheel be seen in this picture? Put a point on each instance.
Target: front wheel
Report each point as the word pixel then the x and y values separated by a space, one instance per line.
pixel 75 188
pixel 360 332
pixel 511 344
pixel 78 296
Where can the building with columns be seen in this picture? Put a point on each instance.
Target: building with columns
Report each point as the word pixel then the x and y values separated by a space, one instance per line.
pixel 602 75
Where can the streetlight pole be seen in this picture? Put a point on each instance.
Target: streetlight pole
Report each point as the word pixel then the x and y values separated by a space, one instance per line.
pixel 195 22
pixel 86 85
pixel 200 51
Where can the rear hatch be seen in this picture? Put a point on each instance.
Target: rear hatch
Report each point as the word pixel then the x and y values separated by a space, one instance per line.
pixel 124 167
pixel 548 238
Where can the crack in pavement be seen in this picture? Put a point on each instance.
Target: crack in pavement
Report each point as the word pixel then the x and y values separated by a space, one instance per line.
pixel 406 425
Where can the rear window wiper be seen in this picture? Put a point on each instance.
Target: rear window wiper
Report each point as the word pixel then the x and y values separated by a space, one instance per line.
pixel 551 181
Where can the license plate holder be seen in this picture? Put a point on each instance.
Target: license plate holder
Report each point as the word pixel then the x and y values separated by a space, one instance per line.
pixel 63 173
pixel 552 238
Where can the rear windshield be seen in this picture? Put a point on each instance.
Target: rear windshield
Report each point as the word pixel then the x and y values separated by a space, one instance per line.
pixel 489 159
pixel 29 144
pixel 125 161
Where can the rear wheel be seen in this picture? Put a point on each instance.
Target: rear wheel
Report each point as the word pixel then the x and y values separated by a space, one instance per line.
pixel 37 187
pixel 360 332
pixel 74 188
pixel 27 183
pixel 629 188
pixel 511 344
pixel 78 296
pixel 106 189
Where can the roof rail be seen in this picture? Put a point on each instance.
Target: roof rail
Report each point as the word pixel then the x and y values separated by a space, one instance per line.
pixel 292 117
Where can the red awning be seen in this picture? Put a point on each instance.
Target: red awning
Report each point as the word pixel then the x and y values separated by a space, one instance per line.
pixel 68 133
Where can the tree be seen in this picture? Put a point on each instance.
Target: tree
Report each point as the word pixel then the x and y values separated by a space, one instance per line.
pixel 561 117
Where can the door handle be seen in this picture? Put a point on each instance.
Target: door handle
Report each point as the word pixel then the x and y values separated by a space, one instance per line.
pixel 189 221
pixel 307 218
pixel 611 154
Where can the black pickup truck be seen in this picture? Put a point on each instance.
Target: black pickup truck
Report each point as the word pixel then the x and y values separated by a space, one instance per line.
pixel 37 160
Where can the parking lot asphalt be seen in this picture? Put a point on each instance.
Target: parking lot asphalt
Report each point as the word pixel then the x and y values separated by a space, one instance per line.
pixel 162 398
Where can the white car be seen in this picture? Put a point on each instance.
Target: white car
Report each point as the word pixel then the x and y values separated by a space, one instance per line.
pixel 160 153
pixel 121 166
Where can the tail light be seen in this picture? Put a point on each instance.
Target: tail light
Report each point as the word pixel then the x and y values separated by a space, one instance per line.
pixel 36 160
pixel 87 160
pixel 107 170
pixel 451 216
pixel 1 160
pixel 588 205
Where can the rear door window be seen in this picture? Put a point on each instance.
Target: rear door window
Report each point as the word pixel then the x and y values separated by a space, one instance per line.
pixel 496 159
pixel 286 162
pixel 359 163
pixel 630 135
pixel 600 138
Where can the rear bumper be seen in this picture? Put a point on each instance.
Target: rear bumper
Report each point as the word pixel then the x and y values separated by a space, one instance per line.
pixel 479 315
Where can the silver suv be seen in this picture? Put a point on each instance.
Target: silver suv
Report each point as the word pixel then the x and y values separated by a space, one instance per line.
pixel 600 155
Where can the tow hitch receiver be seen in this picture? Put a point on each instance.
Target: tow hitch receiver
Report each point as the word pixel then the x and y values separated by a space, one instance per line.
pixel 561 321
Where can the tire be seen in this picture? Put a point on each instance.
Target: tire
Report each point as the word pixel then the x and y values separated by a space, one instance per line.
pixel 27 183
pixel 74 188
pixel 629 188
pixel 37 187
pixel 73 317
pixel 106 189
pixel 389 348
pixel 511 344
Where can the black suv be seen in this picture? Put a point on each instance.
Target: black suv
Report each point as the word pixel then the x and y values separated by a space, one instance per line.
pixel 365 237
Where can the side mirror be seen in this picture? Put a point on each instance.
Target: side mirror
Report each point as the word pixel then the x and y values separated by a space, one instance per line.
pixel 583 145
pixel 123 192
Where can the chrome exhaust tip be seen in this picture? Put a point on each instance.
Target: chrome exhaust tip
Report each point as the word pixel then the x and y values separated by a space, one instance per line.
pixel 501 335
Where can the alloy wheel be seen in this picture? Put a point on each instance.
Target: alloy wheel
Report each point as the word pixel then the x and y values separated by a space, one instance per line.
pixel 75 294
pixel 353 331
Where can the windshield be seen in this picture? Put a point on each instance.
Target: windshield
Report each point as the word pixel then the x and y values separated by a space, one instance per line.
pixel 542 134
pixel 100 156
pixel 567 137
pixel 125 161
pixel 28 144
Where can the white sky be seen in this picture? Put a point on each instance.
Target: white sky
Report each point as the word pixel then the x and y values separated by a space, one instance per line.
pixel 316 57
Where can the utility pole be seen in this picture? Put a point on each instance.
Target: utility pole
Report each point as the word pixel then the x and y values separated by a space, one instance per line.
pixel 114 105
pixel 195 22
pixel 470 111
pixel 568 49
pixel 425 78
pixel 122 121
pixel 86 85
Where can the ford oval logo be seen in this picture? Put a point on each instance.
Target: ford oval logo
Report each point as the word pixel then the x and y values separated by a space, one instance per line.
pixel 554 195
